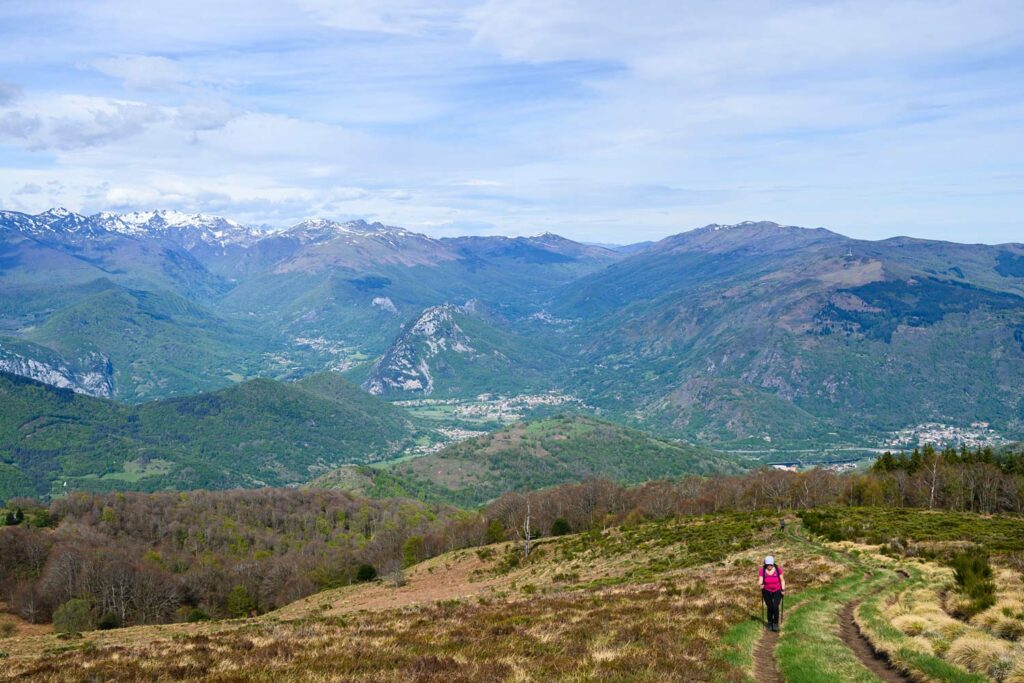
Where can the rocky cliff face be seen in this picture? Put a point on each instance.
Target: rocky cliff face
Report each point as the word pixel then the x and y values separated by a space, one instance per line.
pixel 92 377
pixel 406 366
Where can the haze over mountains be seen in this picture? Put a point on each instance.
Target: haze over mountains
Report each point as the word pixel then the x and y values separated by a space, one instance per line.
pixel 744 335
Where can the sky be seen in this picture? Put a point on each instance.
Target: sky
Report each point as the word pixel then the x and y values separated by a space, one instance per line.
pixel 601 121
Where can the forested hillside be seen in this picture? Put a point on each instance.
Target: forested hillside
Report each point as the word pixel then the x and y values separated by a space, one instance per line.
pixel 529 456
pixel 258 433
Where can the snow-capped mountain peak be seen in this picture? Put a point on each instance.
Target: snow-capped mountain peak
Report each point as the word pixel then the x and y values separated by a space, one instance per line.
pixel 179 226
pixel 324 229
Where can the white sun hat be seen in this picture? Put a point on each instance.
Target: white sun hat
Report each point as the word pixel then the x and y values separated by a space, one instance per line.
pixel 769 560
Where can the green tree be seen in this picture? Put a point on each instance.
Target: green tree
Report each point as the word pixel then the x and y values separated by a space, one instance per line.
pixel 366 572
pixel 495 532
pixel 413 551
pixel 240 603
pixel 73 616
pixel 10 520
pixel 560 527
pixel 109 515
pixel 19 516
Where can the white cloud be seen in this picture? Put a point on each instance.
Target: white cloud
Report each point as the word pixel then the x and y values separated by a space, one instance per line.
pixel 382 16
pixel 18 126
pixel 599 119
pixel 70 122
pixel 142 71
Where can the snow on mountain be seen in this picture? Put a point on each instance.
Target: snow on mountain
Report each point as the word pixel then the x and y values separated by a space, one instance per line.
pixel 186 229
pixel 51 223
pixel 323 229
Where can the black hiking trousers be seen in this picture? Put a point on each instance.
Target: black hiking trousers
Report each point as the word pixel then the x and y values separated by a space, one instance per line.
pixel 772 599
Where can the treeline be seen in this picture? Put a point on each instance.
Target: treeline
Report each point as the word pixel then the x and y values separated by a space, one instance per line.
pixel 980 480
pixel 152 558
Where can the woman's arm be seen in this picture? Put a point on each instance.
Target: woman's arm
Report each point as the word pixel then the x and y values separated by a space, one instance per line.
pixel 760 581
pixel 782 580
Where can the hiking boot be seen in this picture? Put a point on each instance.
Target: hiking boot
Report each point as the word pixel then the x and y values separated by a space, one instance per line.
pixel 774 627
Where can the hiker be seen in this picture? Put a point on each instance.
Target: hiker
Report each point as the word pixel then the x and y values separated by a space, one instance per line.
pixel 773 587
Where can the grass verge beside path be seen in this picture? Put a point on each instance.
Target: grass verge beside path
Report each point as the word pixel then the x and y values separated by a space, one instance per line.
pixel 897 646
pixel 810 649
pixel 739 643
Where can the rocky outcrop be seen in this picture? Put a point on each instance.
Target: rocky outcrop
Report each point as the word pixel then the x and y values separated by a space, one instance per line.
pixel 93 376
pixel 406 365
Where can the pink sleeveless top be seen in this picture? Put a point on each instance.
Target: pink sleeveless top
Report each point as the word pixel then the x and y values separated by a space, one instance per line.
pixel 772 582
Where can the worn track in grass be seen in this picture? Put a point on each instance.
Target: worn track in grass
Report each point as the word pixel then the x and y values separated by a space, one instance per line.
pixel 766 669
pixel 875 662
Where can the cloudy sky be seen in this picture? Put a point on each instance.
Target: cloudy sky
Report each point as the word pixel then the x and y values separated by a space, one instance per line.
pixel 606 121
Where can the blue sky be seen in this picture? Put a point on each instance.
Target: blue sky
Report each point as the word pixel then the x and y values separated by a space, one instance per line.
pixel 602 121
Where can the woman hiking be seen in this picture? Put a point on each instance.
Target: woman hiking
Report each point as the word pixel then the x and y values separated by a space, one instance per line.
pixel 773 587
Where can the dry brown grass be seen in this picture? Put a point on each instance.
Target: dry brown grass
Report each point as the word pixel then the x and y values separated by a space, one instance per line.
pixel 527 625
pixel 980 653
pixel 628 633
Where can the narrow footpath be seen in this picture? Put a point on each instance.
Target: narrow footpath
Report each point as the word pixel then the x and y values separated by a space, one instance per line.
pixel 766 669
pixel 875 662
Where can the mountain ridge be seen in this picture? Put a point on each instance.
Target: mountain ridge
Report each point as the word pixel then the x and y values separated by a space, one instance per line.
pixel 748 334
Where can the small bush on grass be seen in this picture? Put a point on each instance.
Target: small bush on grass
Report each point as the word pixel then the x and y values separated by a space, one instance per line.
pixel 108 621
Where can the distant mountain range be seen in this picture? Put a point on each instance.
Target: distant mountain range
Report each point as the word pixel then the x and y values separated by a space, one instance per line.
pixel 754 335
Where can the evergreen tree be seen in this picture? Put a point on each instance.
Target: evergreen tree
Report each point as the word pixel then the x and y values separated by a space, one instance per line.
pixel 19 516
pixel 10 519
pixel 365 572
pixel 560 527
pixel 240 603
pixel 73 616
pixel 495 532
pixel 413 551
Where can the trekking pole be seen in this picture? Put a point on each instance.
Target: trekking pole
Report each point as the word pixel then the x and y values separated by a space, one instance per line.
pixel 762 610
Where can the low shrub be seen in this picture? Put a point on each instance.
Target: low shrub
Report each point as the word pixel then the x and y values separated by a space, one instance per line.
pixel 973 575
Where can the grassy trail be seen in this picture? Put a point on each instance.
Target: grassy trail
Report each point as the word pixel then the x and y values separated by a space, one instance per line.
pixel 810 649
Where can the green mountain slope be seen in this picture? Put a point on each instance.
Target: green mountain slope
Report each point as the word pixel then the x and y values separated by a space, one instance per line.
pixel 254 434
pixel 762 334
pixel 157 343
pixel 529 456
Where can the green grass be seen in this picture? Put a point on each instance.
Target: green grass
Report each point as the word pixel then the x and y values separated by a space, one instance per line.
pixel 810 650
pixel 998 534
pixel 738 645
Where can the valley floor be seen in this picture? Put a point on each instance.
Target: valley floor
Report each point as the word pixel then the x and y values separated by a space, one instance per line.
pixel 673 600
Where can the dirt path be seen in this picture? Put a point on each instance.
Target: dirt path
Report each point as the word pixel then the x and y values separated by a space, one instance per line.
pixel 766 669
pixel 876 663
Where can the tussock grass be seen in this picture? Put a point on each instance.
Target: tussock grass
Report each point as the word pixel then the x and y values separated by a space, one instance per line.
pixel 982 654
